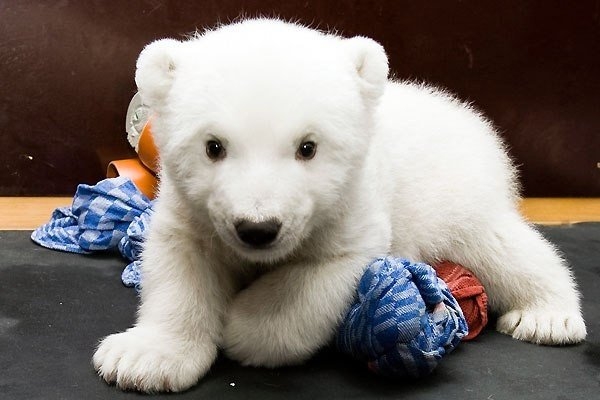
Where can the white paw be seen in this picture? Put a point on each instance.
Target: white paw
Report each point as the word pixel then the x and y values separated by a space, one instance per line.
pixel 243 343
pixel 139 359
pixel 263 342
pixel 543 326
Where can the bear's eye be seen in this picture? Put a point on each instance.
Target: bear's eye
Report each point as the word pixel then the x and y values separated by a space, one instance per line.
pixel 306 150
pixel 215 150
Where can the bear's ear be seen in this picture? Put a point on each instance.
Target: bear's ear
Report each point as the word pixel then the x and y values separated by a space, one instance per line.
pixel 371 65
pixel 155 70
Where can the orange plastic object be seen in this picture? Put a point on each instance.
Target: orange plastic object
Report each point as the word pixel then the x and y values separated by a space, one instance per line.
pixel 133 169
pixel 142 171
pixel 147 150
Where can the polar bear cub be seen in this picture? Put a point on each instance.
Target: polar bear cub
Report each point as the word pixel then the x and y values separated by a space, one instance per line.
pixel 289 161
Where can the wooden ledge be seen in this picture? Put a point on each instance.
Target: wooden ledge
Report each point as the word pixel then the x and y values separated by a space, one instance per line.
pixel 27 213
pixel 555 211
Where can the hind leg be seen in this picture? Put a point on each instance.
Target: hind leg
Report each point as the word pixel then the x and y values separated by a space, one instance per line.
pixel 527 282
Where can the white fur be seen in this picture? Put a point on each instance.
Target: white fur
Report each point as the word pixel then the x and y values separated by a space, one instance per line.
pixel 400 169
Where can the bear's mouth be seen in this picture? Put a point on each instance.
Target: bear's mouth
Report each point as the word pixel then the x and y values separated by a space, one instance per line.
pixel 257 248
pixel 272 245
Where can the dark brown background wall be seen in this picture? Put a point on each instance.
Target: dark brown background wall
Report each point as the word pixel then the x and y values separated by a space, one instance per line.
pixel 66 76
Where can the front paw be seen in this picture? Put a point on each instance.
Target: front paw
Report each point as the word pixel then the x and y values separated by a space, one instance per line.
pixel 540 326
pixel 264 342
pixel 143 360
pixel 248 342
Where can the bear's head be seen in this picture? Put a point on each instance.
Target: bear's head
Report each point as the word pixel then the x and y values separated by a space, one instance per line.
pixel 262 127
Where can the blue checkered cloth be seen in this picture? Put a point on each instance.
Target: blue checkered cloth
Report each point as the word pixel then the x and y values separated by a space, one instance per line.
pixel 392 326
pixel 112 214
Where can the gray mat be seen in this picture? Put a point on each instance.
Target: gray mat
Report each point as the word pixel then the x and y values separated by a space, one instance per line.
pixel 54 306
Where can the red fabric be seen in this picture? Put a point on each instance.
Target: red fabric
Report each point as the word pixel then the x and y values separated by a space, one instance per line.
pixel 469 293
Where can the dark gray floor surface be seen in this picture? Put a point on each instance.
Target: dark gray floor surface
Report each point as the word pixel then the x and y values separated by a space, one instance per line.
pixel 54 306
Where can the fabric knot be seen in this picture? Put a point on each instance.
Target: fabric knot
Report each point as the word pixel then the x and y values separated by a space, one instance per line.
pixel 469 293
pixel 404 319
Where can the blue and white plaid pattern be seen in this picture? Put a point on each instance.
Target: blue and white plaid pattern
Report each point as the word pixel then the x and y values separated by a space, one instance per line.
pixel 391 325
pixel 131 247
pixel 112 214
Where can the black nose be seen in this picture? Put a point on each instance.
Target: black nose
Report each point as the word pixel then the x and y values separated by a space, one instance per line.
pixel 257 234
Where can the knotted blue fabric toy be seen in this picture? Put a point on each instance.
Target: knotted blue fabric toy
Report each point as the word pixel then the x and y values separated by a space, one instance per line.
pixel 404 319
pixel 112 214
pixel 403 322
